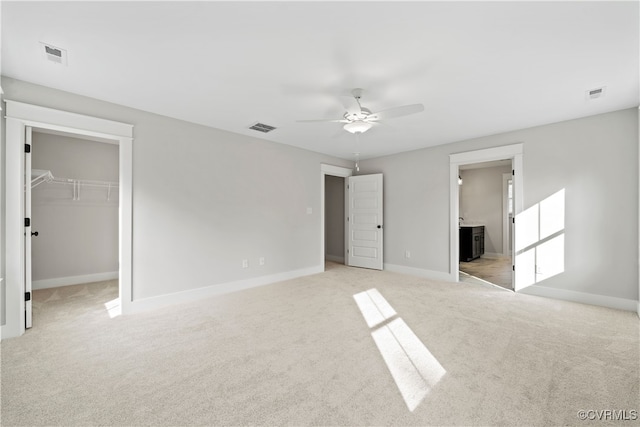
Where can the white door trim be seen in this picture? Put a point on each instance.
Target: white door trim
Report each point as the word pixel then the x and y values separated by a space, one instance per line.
pixel 326 169
pixel 513 152
pixel 19 115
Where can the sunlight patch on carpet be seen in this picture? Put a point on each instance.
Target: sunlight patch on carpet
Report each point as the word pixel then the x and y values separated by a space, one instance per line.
pixel 113 308
pixel 414 369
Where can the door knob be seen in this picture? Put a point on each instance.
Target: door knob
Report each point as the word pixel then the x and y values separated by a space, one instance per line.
pixel 34 233
pixel 379 226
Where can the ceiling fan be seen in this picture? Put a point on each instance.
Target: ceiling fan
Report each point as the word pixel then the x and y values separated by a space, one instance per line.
pixel 358 119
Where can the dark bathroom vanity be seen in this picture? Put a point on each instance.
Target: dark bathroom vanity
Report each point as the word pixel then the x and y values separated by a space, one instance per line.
pixel 471 242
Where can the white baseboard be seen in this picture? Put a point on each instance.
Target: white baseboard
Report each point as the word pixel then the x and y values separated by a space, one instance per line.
pixel 419 272
pixel 581 297
pixel 542 291
pixel 73 280
pixel 222 288
pixel 334 258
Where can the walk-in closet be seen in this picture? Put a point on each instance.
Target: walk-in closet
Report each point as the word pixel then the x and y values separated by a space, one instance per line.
pixel 74 199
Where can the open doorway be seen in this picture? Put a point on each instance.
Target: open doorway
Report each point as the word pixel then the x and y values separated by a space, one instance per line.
pixel 486 209
pixel 20 117
pixel 334 214
pixel 457 163
pixel 362 217
pixel 74 218
pixel 333 218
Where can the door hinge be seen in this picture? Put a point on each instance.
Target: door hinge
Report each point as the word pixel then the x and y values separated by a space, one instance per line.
pixel 513 267
pixel 27 296
pixel 513 172
pixel 347 219
pixel 27 148
pixel 513 220
pixel 27 222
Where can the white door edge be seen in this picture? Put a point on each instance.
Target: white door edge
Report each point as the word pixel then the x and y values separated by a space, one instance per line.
pixel 28 318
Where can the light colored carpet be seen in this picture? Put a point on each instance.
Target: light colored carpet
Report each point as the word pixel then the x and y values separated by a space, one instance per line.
pixel 301 353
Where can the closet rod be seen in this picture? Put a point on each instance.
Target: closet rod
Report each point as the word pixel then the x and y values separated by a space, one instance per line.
pixel 84 182
pixel 39 176
pixel 78 183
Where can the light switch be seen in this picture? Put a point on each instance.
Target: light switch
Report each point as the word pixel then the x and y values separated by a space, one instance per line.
pixel 309 211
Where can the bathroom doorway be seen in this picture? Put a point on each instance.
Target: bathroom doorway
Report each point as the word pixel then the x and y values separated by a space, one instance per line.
pixel 485 250
pixel 460 162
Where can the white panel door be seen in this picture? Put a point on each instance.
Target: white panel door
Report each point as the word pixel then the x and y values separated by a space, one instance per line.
pixel 27 228
pixel 365 221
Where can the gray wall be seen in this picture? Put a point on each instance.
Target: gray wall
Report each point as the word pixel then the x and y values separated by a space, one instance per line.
pixel 481 202
pixel 76 237
pixel 595 159
pixel 205 199
pixel 334 218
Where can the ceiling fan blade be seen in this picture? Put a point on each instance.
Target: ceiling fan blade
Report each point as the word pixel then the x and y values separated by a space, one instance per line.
pixel 404 110
pixel 323 121
pixel 350 104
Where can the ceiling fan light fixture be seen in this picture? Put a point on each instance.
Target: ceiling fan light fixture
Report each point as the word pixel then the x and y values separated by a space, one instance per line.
pixel 358 126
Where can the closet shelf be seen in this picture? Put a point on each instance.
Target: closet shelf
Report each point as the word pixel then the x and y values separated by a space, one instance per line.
pixel 38 176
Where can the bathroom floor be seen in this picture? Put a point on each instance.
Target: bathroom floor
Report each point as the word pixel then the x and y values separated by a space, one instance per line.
pixel 493 270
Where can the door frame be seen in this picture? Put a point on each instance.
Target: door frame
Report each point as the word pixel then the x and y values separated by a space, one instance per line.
pixel 19 116
pixel 515 153
pixel 341 172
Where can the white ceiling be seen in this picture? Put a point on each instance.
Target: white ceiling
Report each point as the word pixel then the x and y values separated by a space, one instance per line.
pixel 479 68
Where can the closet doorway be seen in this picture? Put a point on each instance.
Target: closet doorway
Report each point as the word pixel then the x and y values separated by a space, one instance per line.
pixel 74 217
pixel 21 118
pixel 333 217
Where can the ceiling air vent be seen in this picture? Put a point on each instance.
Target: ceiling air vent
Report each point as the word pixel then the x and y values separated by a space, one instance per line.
pixel 261 127
pixel 54 54
pixel 596 93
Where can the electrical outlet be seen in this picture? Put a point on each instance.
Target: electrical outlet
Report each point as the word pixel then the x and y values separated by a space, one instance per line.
pixel 538 269
pixel 245 263
pixel 261 260
pixel 407 254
